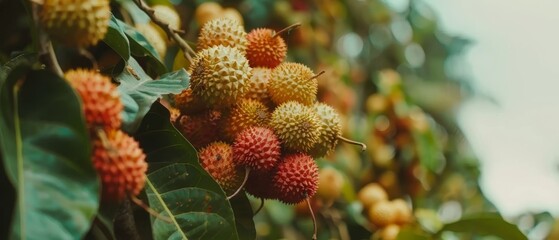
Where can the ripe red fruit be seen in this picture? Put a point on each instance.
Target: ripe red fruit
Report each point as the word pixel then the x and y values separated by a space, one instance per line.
pixel 200 129
pixel 217 160
pixel 121 165
pixel 296 178
pixel 257 148
pixel 264 49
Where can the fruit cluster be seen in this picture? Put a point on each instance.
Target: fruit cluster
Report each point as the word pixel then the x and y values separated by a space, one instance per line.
pixel 117 157
pixel 247 111
pixel 386 215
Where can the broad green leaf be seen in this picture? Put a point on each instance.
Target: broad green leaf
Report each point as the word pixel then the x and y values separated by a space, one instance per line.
pixel 178 187
pixel 138 91
pixel 408 234
pixel 116 39
pixel 243 216
pixel 485 224
pixel 46 152
pixel 142 49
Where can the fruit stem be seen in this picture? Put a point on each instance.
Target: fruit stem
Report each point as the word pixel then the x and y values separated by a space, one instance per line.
pixel 313 218
pixel 152 212
pixel 363 146
pixel 317 75
pixel 247 171
pixel 44 43
pixel 259 207
pixel 289 28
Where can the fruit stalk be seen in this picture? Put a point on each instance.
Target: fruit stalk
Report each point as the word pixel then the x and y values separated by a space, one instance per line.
pixel 363 146
pixel 288 28
pixel 313 219
pixel 247 171
pixel 45 45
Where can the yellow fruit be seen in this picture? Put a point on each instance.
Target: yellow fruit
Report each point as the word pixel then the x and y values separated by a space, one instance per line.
pixel 382 214
pixel 296 125
pixel 258 85
pixel 377 103
pixel 220 76
pixel 181 62
pixel 331 130
pixel 150 32
pixel 168 15
pixel 222 31
pixel 293 82
pixel 246 113
pixel 403 211
pixel 207 11
pixel 389 232
pixel 330 184
pixel 371 194
pixel 233 14
pixel 76 23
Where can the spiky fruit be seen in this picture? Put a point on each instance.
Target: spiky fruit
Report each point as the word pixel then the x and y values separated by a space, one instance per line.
pixel 76 23
pixel 246 113
pixel 257 148
pixel 296 178
pixel 382 214
pixel 331 130
pixel 260 185
pixel 150 32
pixel 121 165
pixel 188 104
pixel 258 85
pixel 217 160
pixel 200 129
pixel 330 184
pixel 207 11
pixel 293 82
pixel 100 98
pixel 220 76
pixel 263 50
pixel 403 211
pixel 371 194
pixel 233 14
pixel 297 126
pixel 222 31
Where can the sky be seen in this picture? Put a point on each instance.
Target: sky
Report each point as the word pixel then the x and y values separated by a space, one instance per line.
pixel 514 60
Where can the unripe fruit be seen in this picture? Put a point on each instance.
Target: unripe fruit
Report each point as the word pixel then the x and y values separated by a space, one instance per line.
pixel 217 160
pixel 263 50
pixel 331 130
pixel 257 148
pixel 296 178
pixel 222 31
pixel 293 82
pixel 330 184
pixel 372 194
pixel 233 14
pixel 207 11
pixel 100 98
pixel 260 185
pixel 389 232
pixel 200 129
pixel 187 103
pixel 121 165
pixel 220 76
pixel 150 32
pixel 382 214
pixel 168 15
pixel 76 23
pixel 246 113
pixel 297 126
pixel 258 85
pixel 376 103
pixel 403 211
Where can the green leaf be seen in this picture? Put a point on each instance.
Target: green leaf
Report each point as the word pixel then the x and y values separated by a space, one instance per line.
pixel 485 224
pixel 178 187
pixel 116 39
pixel 46 152
pixel 243 216
pixel 141 48
pixel 407 234
pixel 138 91
pixel 428 150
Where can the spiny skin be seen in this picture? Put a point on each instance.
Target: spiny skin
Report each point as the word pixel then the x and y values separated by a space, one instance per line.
pixel 150 32
pixel 76 23
pixel 217 160
pixel 121 165
pixel 331 130
pixel 260 185
pixel 293 82
pixel 187 103
pixel 220 76
pixel 382 214
pixel 200 129
pixel 222 31
pixel 100 98
pixel 263 50
pixel 246 113
pixel 258 85
pixel 296 178
pixel 257 148
pixel 297 126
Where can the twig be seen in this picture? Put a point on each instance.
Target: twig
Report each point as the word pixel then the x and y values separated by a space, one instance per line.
pixel 247 171
pixel 363 146
pixel 288 28
pixel 53 60
pixel 171 32
pixel 314 237
pixel 149 210
pixel 45 45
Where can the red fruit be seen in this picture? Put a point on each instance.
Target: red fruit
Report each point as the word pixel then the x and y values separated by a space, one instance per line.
pixel 296 178
pixel 200 129
pixel 260 185
pixel 257 148
pixel 264 49
pixel 217 160
pixel 121 165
